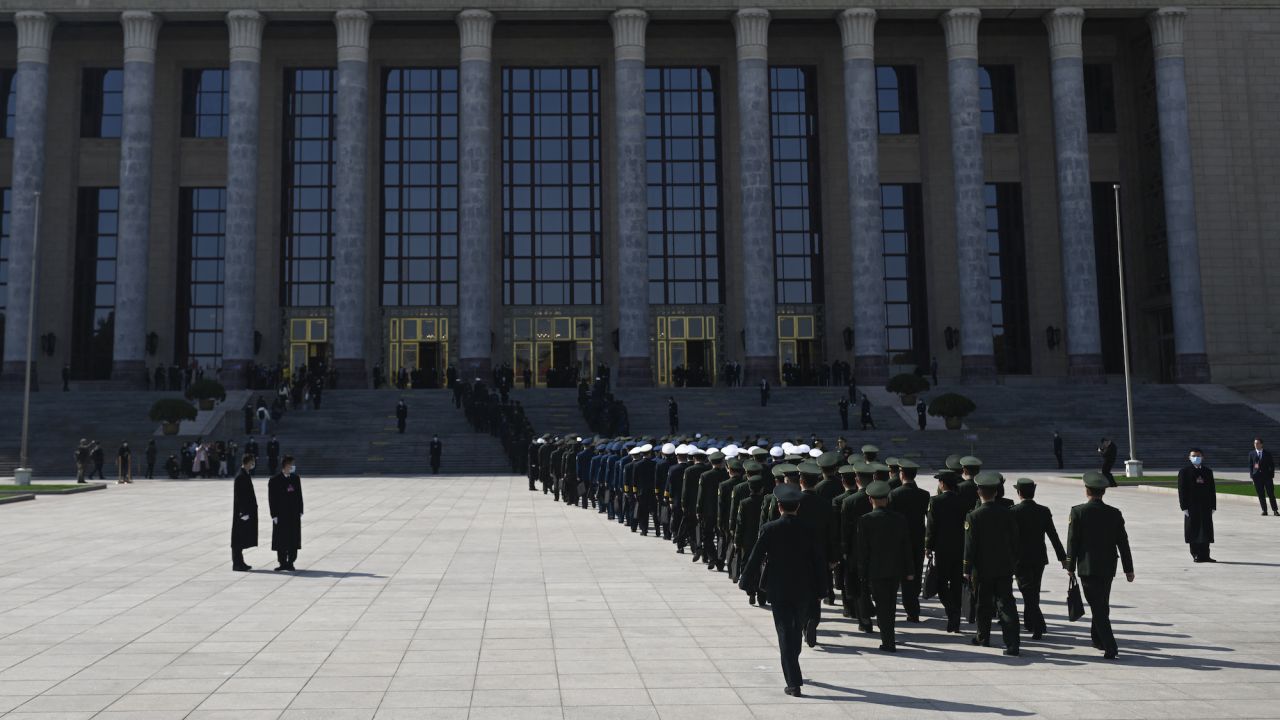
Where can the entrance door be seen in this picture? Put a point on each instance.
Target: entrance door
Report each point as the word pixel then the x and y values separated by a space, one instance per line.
pixel 556 350
pixel 421 345
pixel 308 345
pixel 797 348
pixel 686 350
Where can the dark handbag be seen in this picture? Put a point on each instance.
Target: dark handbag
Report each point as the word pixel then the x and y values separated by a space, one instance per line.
pixel 930 581
pixel 1075 605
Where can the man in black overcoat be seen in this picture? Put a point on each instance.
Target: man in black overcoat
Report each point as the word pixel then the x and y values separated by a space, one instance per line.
pixel 284 498
pixel 1198 499
pixel 244 515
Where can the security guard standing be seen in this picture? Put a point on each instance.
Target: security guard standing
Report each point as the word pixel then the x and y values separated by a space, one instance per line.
pixel 944 542
pixel 1035 523
pixel 1095 535
pixel 884 559
pixel 912 503
pixel 990 545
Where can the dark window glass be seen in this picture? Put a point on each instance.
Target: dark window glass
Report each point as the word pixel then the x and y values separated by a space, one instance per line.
pixel 998 97
pixel 797 224
pixel 204 103
pixel 551 217
pixel 1006 265
pixel 5 204
pixel 102 102
pixel 307 235
pixel 9 91
pixel 905 290
pixel 896 99
pixel 93 315
pixel 202 242
pixel 682 153
pixel 420 186
pixel 1099 98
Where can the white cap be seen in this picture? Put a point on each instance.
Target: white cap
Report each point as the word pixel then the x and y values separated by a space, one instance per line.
pixel 645 448
pixel 539 441
pixel 776 451
pixel 682 449
pixel 801 449
pixel 787 447
pixel 579 439
pixel 815 453
pixel 668 449
pixel 730 448
pixel 634 451
pixel 731 452
pixel 697 436
pixel 695 450
pixel 710 450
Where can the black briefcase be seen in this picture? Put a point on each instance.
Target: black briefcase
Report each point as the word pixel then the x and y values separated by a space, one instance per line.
pixel 1075 604
pixel 930 585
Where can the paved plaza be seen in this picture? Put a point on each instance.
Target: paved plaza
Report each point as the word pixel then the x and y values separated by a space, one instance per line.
pixel 474 598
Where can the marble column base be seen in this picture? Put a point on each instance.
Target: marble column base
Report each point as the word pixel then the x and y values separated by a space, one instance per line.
pixel 1086 368
pixel 352 374
pixel 1191 369
pixel 635 372
pixel 471 368
pixel 754 368
pixel 129 374
pixel 13 375
pixel 978 368
pixel 871 369
pixel 235 374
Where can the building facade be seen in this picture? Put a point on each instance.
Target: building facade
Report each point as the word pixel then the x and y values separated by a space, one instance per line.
pixel 662 187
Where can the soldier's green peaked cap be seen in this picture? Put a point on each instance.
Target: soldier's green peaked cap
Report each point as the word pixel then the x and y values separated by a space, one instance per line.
pixel 786 468
pixel 878 490
pixel 906 464
pixel 847 470
pixel 870 449
pixel 829 459
pixel 879 467
pixel 776 471
pixel 953 463
pixel 988 478
pixel 810 468
pixel 1096 480
pixel 735 464
pixel 892 462
pixel 970 461
pixel 752 467
pixel 1025 482
pixel 863 468
pixel 755 482
pixel 716 457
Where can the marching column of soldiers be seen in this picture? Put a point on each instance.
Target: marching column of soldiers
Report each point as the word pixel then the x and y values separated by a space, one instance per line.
pixel 873 532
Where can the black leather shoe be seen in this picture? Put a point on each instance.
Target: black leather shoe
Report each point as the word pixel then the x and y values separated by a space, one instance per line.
pixel 889 648
pixel 282 567
pixel 980 643
pixel 241 568
pixel 1109 655
pixel 793 691
pixel 1012 652
pixel 913 618
pixel 1207 559
pixel 1037 635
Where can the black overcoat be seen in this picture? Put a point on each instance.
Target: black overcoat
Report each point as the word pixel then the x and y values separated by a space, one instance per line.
pixel 284 497
pixel 244 533
pixel 1198 498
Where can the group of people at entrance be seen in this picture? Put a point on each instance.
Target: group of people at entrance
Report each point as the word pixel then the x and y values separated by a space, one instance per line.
pixel 796 526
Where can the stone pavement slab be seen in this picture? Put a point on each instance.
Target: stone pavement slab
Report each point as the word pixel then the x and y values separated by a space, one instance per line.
pixel 472 598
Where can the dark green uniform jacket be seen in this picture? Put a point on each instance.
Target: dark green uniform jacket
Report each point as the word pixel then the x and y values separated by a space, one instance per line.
pixel 884 548
pixel 1095 534
pixel 991 542
pixel 1035 521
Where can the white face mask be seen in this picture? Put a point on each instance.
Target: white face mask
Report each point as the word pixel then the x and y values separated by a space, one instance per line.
pixel 291 470
pixel 1196 460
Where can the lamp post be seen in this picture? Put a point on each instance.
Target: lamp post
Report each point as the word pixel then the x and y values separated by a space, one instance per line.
pixel 22 475
pixel 1132 466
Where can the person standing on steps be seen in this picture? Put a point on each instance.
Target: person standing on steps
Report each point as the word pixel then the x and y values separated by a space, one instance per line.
pixel 673 415
pixel 843 407
pixel 244 515
pixel 284 500
pixel 922 414
pixel 151 458
pixel 1095 536
pixel 436 449
pixel 1198 498
pixel 764 392
pixel 933 370
pixel 1057 448
pixel 866 414
pixel 1262 471
pixel 402 414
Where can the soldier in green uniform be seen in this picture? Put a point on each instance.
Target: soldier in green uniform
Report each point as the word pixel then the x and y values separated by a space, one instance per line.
pixel 990 555
pixel 751 470
pixel 815 511
pixel 895 472
pixel 746 526
pixel 708 486
pixel 1035 523
pixel 944 542
pixel 884 559
pixel 849 481
pixel 689 501
pixel 869 453
pixel 952 463
pixel 912 503
pixel 784 474
pixel 724 496
pixel 1095 535
pixel 970 466
pixel 854 507
pixel 829 486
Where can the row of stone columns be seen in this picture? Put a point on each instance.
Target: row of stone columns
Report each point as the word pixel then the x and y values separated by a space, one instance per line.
pixel 857 28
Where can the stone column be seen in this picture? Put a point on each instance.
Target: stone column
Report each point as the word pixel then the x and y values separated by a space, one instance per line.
pixel 630 184
pixel 1191 362
pixel 35 35
pixel 351 172
pixel 129 364
pixel 755 182
pixel 475 206
pixel 976 359
pixel 862 144
pixel 245 30
pixel 1075 201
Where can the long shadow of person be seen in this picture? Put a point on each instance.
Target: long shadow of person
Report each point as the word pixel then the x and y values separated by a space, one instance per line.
pixel 848 694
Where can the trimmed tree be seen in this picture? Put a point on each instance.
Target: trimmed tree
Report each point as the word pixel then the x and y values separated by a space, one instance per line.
pixel 907 386
pixel 171 412
pixel 206 391
pixel 953 408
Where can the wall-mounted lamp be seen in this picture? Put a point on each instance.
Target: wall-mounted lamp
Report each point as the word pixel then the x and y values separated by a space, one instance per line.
pixel 616 335
pixel 257 342
pixel 847 334
pixel 951 337
pixel 1053 336
pixel 48 344
pixel 153 343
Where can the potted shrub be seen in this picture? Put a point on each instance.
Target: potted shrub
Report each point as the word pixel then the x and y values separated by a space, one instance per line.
pixel 206 391
pixel 907 386
pixel 171 412
pixel 953 408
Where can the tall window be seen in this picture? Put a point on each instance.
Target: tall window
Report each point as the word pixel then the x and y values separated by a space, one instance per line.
pixel 204 103
pixel 683 167
pixel 797 225
pixel 1099 98
pixel 101 103
pixel 905 290
pixel 9 91
pixel 202 231
pixel 308 187
pixel 93 315
pixel 896 100
pixel 1006 266
pixel 4 261
pixel 998 98
pixel 420 186
pixel 551 215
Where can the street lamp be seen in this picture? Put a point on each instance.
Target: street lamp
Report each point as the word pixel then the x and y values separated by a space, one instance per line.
pixel 1132 466
pixel 22 475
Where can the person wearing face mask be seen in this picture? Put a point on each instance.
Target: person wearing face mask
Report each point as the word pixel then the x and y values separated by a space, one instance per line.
pixel 1198 499
pixel 284 498
pixel 244 515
